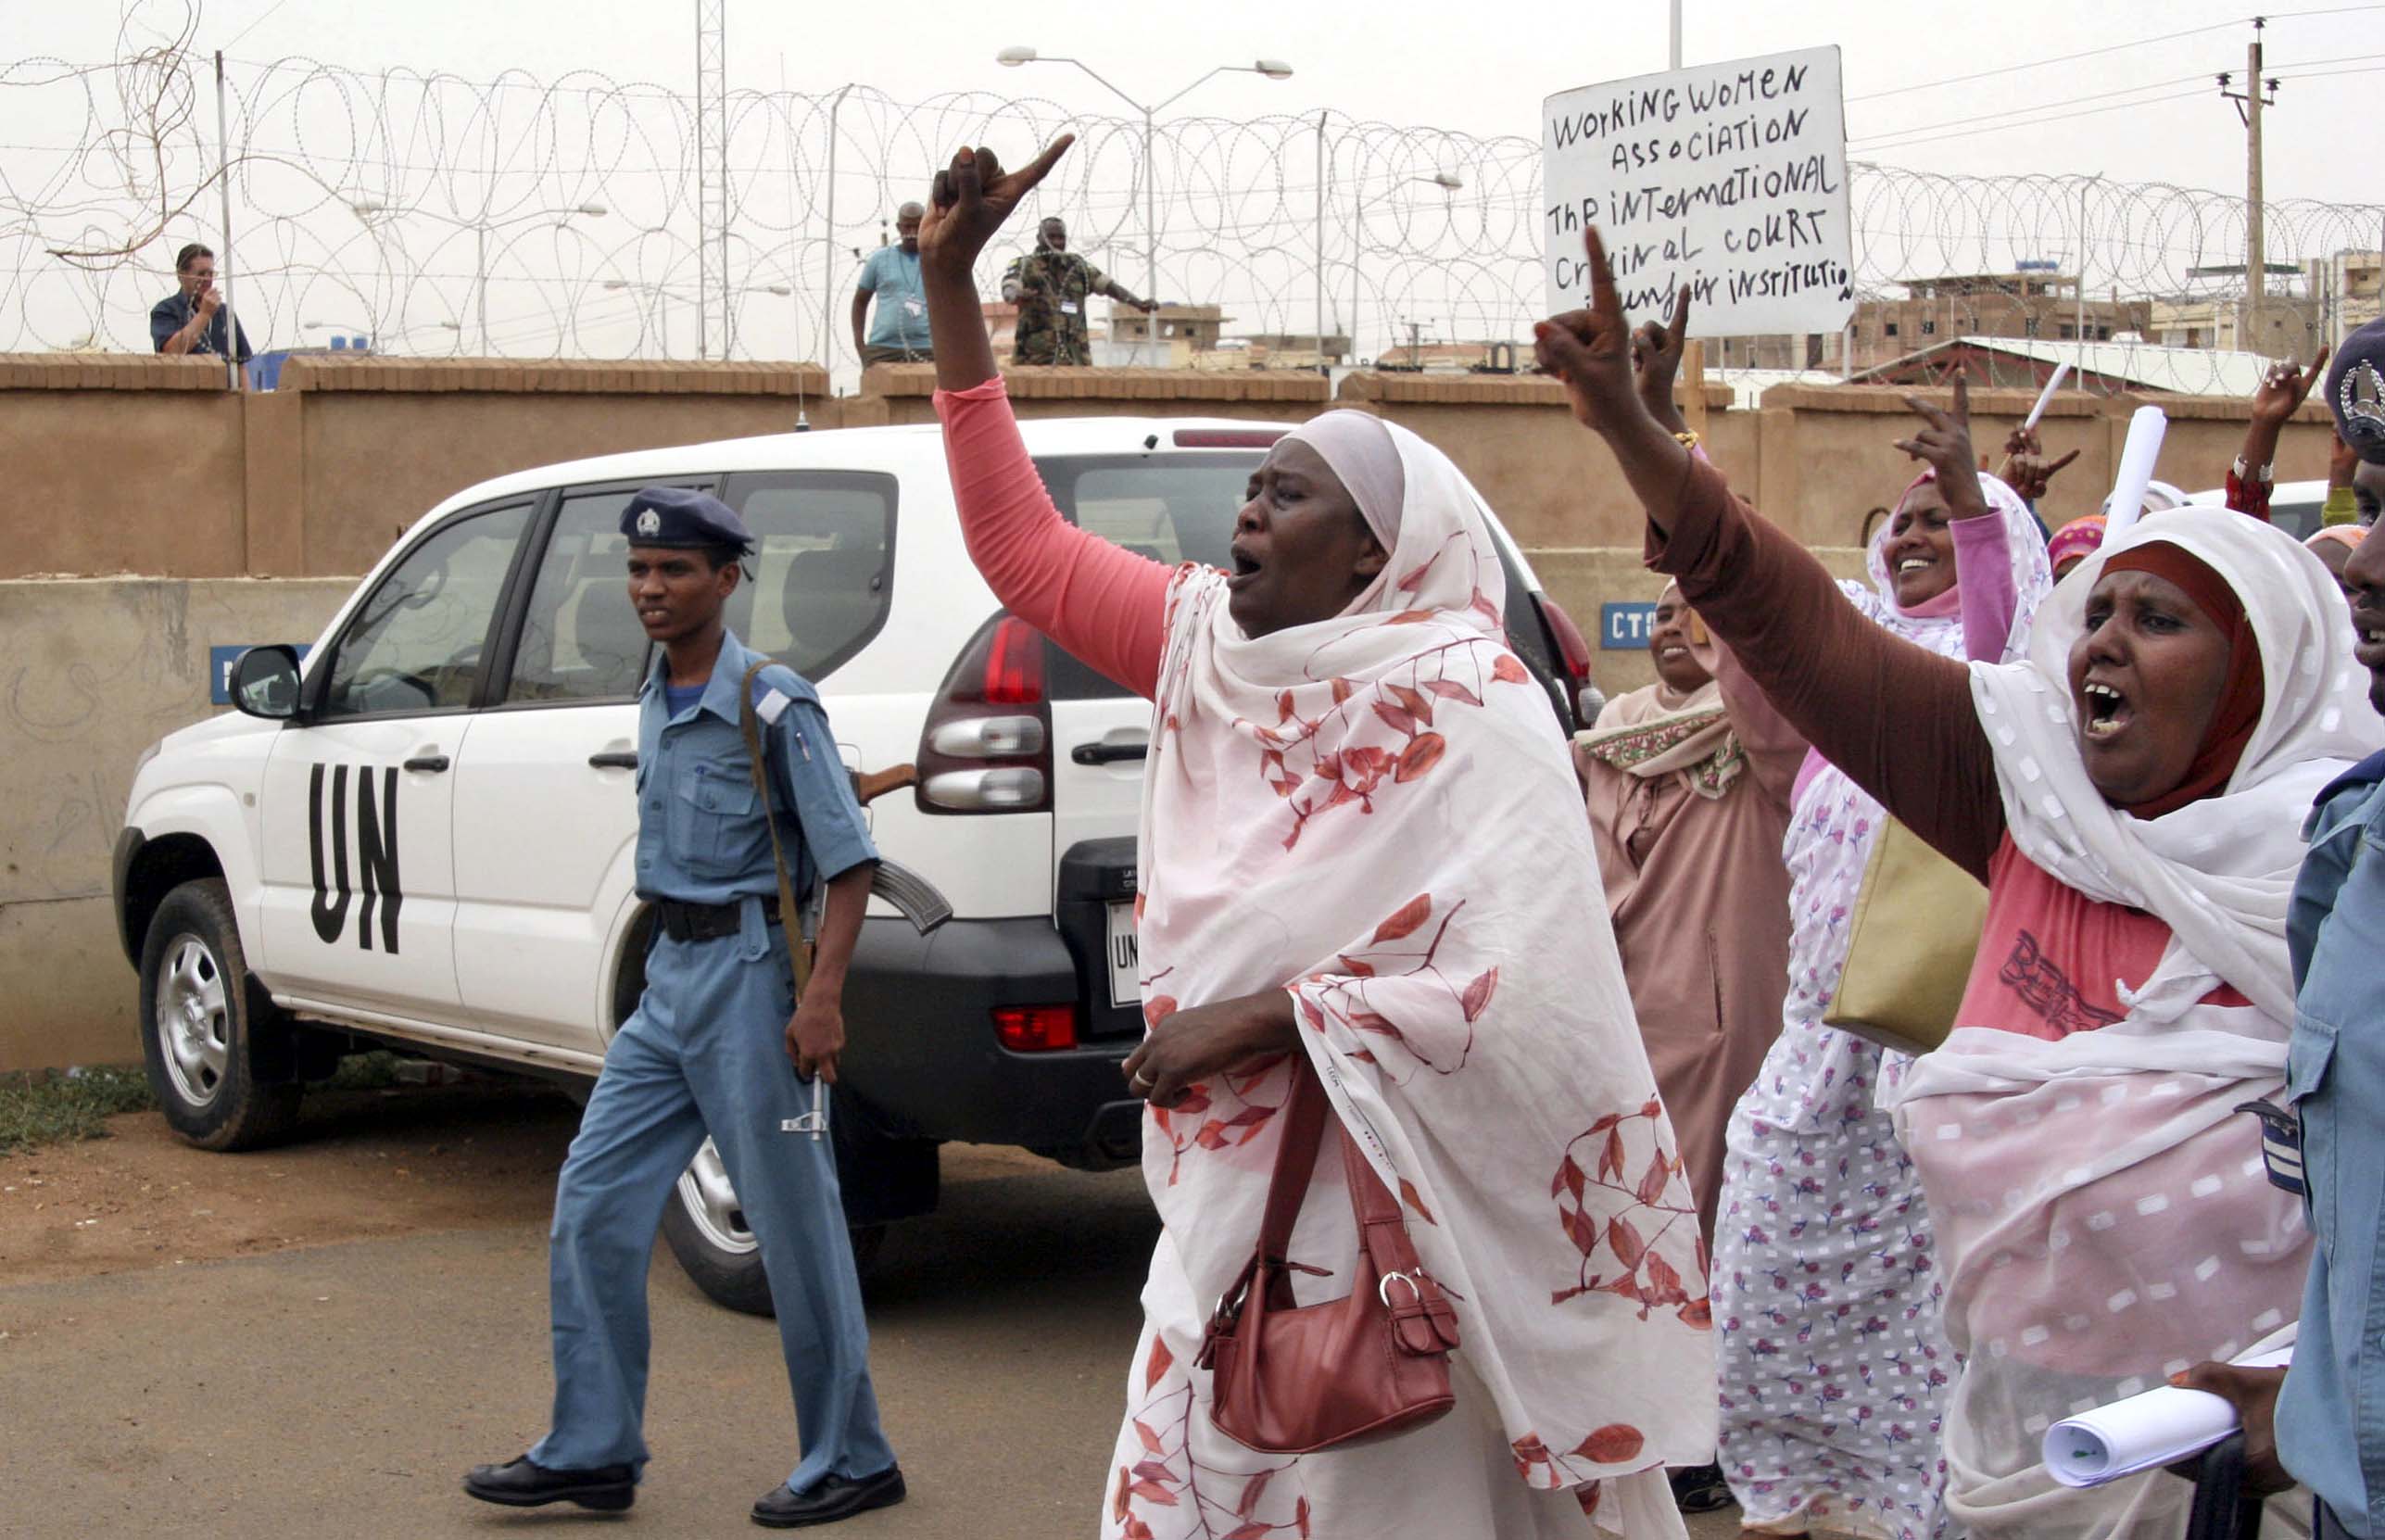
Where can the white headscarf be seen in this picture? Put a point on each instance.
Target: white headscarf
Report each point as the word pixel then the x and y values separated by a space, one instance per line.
pixel 1377 813
pixel 2100 1203
pixel 2218 871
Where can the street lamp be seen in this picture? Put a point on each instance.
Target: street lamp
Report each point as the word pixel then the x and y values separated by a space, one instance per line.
pixel 662 295
pixel 480 229
pixel 1273 69
pixel 1448 182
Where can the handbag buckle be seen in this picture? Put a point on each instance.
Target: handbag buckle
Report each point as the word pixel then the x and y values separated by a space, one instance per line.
pixel 1414 1289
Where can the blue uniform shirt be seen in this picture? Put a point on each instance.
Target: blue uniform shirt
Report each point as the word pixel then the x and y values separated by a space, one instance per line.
pixel 173 312
pixel 2331 1414
pixel 700 837
pixel 900 319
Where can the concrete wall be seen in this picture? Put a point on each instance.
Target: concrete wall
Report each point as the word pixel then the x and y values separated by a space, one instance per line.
pixel 96 670
pixel 146 466
pixel 169 475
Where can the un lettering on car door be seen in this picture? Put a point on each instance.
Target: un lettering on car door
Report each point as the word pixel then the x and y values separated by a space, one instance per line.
pixel 376 875
pixel 357 826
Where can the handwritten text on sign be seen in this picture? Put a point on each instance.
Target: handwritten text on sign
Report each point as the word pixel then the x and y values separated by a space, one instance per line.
pixel 1730 178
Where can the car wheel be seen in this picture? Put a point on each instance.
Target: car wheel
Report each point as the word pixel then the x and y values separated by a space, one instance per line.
pixel 200 1017
pixel 708 1234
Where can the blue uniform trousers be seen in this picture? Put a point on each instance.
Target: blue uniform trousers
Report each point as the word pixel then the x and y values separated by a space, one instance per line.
pixel 705 1052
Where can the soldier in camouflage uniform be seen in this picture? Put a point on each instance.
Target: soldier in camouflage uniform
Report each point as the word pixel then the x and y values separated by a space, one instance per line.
pixel 1050 285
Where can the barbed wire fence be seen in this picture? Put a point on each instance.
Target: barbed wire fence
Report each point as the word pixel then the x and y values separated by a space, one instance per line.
pixel 526 217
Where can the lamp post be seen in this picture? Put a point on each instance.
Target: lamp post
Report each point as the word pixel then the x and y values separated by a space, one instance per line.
pixel 662 295
pixel 1273 69
pixel 1448 182
pixel 480 229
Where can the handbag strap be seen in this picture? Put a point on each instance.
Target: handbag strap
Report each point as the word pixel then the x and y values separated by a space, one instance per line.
pixel 1304 1111
pixel 749 722
pixel 1381 1227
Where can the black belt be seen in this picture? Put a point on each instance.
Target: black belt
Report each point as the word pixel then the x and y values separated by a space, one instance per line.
pixel 709 922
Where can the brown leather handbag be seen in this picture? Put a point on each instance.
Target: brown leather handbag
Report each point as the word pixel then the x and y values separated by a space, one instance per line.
pixel 1293 1379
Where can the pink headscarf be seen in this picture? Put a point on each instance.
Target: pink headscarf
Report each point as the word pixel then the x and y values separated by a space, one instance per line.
pixel 1939 606
pixel 2347 536
pixel 2079 537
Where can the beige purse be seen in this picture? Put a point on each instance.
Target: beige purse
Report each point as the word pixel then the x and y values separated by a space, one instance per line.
pixel 1910 945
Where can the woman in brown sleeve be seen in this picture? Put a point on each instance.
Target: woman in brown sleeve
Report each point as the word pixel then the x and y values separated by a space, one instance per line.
pixel 2130 792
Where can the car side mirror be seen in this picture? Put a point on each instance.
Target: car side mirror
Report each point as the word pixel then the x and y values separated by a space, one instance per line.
pixel 265 682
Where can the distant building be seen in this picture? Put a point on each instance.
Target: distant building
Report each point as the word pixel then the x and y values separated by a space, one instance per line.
pixel 1292 349
pixel 2346 287
pixel 2104 368
pixel 2032 303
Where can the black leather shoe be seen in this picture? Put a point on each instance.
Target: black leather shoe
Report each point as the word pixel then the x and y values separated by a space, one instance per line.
pixel 833 1499
pixel 523 1483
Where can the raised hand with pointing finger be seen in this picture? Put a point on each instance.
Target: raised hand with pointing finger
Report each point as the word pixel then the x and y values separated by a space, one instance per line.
pixel 1590 352
pixel 1656 350
pixel 1943 443
pixel 971 199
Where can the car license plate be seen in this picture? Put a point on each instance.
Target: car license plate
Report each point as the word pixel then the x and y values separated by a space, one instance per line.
pixel 1126 968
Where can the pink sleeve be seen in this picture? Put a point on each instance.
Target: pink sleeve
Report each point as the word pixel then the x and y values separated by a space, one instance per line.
pixel 1983 571
pixel 1103 602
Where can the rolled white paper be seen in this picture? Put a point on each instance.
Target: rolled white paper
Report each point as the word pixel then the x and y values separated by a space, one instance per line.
pixel 2160 1427
pixel 2146 426
pixel 2062 371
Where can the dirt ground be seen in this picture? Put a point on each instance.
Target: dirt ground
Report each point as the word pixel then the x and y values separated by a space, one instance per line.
pixel 363 1164
pixel 400 1234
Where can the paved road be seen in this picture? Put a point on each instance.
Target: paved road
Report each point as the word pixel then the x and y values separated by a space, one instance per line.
pixel 341 1389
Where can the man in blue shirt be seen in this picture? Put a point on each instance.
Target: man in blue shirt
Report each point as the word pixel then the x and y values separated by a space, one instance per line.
pixel 2325 1425
pixel 708 1048
pixel 191 319
pixel 899 332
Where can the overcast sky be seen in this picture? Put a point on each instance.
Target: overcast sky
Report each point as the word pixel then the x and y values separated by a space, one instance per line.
pixel 1479 69
pixel 2129 93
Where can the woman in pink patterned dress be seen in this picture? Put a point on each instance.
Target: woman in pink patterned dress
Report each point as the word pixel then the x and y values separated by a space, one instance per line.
pixel 1362 852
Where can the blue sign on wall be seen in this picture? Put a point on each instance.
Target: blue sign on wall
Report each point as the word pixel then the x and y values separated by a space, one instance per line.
pixel 1625 624
pixel 219 666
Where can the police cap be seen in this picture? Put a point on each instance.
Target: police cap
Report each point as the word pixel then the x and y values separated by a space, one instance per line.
pixel 682 519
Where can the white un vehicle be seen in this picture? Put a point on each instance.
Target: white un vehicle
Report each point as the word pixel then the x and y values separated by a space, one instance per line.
pixel 426 837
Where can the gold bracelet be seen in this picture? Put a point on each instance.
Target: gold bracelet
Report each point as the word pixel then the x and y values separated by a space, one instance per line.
pixel 1687 440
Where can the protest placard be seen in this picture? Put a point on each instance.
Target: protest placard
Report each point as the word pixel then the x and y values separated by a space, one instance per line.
pixel 1730 178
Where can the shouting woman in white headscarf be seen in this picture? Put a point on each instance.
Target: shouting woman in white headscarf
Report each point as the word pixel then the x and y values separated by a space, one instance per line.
pixel 2130 790
pixel 1363 857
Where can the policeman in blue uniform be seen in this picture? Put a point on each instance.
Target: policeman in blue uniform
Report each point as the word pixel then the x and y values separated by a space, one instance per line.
pixel 708 1050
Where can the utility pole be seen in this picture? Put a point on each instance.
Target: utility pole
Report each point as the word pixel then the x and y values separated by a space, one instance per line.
pixel 714 325
pixel 2257 93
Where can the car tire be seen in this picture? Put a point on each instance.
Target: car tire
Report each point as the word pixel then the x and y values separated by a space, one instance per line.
pixel 201 1015
pixel 706 1232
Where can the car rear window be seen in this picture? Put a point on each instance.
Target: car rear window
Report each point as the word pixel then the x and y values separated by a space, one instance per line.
pixel 1177 508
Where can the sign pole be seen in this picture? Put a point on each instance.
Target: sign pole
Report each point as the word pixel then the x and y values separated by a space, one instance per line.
pixel 234 377
pixel 1693 385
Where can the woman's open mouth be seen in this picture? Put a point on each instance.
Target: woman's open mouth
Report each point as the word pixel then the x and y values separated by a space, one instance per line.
pixel 1245 568
pixel 2105 712
pixel 1914 564
pixel 1672 653
pixel 2369 641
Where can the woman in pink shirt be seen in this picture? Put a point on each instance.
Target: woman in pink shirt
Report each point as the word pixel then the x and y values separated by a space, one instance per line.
pixel 1363 876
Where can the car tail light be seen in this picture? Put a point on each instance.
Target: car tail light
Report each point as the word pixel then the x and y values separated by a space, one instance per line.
pixel 1035 1029
pixel 986 745
pixel 1227 438
pixel 1570 645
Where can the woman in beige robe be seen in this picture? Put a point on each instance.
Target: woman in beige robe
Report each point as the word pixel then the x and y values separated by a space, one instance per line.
pixel 1689 798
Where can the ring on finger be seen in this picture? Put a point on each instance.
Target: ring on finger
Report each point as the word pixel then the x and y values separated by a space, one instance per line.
pixel 1141 1082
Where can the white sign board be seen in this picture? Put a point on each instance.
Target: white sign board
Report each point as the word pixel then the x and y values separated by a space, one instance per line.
pixel 1730 178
